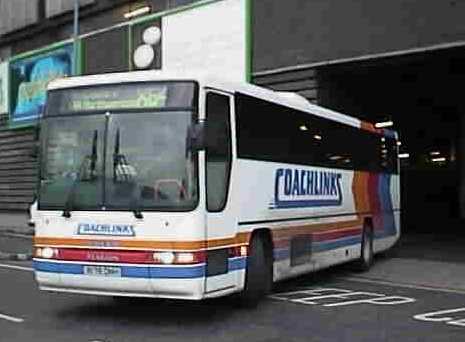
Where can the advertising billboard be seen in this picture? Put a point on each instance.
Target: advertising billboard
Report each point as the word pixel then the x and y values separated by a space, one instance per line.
pixel 29 78
pixel 3 88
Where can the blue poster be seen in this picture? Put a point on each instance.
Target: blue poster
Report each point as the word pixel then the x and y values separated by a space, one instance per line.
pixel 29 79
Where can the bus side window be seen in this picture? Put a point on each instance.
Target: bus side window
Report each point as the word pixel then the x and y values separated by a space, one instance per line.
pixel 218 150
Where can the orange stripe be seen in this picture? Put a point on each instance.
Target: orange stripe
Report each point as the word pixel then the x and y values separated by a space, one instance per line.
pixel 312 228
pixel 360 192
pixel 368 126
pixel 241 238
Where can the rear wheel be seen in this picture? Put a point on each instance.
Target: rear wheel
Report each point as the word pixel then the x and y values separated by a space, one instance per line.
pixel 259 273
pixel 366 253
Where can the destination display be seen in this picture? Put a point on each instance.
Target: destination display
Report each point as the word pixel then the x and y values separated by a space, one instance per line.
pixel 147 95
pixel 107 99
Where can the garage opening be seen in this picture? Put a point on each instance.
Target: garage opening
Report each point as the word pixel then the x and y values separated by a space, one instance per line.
pixel 424 96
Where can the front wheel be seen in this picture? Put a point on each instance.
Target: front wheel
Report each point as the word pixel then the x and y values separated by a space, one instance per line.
pixel 259 273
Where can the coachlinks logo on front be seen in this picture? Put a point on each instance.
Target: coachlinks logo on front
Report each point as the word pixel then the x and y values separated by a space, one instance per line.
pixel 106 229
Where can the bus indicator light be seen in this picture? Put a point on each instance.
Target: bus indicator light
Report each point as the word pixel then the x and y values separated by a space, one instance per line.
pixel 38 253
pixel 185 258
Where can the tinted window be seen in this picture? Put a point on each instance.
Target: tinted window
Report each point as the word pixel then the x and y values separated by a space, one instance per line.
pixel 267 131
pixel 218 150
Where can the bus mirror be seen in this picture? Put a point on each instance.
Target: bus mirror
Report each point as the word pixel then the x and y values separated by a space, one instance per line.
pixel 196 137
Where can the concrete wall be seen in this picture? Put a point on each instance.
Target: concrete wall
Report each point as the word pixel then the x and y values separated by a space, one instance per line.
pixel 294 32
pixel 17 14
pixel 56 7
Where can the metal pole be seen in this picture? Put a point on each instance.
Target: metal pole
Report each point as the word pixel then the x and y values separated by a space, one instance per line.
pixel 76 35
pixel 76 19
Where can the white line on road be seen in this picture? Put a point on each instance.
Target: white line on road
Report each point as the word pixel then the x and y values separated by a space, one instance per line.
pixel 408 286
pixel 11 318
pixel 15 267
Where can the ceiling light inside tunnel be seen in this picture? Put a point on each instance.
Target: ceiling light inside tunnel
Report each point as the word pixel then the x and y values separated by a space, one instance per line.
pixel 404 155
pixel 303 128
pixel 384 124
pixel 137 12
pixel 435 153
pixel 439 160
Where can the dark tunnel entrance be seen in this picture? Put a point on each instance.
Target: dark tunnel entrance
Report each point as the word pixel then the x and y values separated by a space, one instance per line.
pixel 423 94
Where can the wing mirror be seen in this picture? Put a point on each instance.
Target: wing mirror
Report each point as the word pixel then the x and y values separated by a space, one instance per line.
pixel 196 137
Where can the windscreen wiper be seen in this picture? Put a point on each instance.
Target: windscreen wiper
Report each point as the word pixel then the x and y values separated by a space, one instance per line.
pixel 69 204
pixel 120 160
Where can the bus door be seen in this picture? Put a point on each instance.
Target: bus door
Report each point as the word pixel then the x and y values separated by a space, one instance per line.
pixel 221 211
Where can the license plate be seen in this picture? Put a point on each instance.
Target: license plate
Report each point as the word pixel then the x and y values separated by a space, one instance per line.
pixel 102 271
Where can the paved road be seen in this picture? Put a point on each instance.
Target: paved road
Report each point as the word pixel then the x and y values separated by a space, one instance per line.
pixel 328 307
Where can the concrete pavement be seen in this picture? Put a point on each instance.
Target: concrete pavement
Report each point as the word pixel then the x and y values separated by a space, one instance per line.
pixel 321 307
pixel 15 236
pixel 15 222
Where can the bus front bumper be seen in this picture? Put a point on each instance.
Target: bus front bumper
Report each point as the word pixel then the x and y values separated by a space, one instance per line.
pixel 180 282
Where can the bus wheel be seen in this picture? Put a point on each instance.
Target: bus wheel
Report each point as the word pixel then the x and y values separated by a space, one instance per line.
pixel 259 273
pixel 366 253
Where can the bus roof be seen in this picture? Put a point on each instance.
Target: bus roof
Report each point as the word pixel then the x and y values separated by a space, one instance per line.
pixel 292 100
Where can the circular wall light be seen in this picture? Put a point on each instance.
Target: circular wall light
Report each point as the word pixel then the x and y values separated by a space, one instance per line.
pixel 151 35
pixel 143 56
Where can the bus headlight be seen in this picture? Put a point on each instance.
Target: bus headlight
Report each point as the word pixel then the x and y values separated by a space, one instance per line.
pixel 49 253
pixel 164 257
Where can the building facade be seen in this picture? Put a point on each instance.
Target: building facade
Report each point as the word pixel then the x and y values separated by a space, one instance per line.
pixel 401 60
pixel 31 30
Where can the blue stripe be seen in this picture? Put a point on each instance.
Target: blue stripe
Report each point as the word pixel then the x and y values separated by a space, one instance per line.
pixel 306 203
pixel 237 264
pixel 177 272
pixel 281 254
pixel 333 244
pixel 321 246
pixel 71 268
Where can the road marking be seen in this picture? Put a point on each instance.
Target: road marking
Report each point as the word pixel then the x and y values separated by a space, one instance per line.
pixel 11 318
pixel 332 297
pixel 404 285
pixel 433 317
pixel 15 267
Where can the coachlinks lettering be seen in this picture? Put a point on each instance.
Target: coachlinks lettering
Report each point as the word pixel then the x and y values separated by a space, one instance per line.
pixel 296 188
pixel 106 229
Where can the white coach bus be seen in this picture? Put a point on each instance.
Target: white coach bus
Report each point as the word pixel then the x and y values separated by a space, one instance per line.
pixel 177 186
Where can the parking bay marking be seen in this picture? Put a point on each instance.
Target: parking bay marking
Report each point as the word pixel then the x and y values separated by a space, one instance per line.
pixel 438 317
pixel 334 297
pixel 11 318
pixel 403 285
pixel 15 267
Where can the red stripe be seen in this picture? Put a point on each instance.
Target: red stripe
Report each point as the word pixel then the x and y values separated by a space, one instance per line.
pixel 130 257
pixel 320 236
pixel 336 234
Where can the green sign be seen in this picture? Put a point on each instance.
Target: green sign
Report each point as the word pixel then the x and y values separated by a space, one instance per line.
pixel 29 78
pixel 3 88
